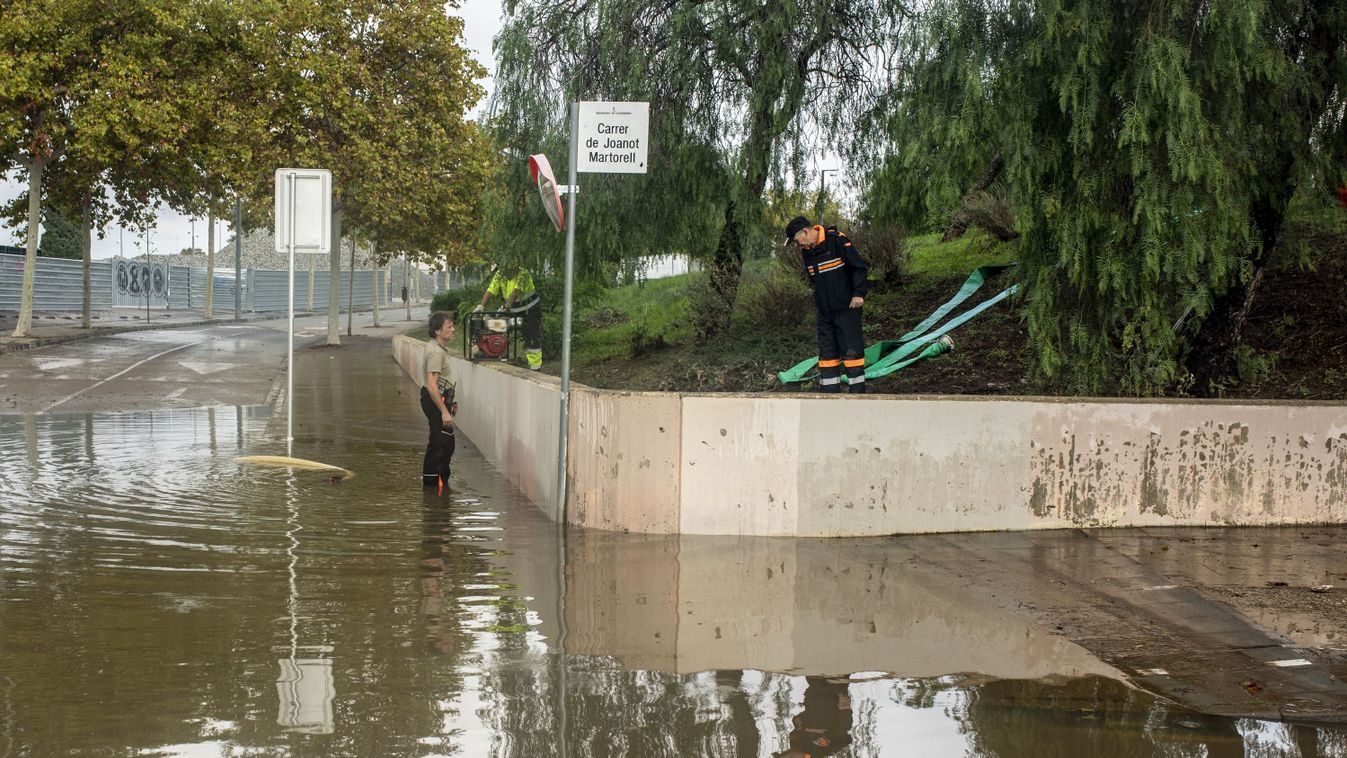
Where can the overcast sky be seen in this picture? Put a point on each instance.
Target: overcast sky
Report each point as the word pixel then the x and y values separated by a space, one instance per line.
pixel 173 232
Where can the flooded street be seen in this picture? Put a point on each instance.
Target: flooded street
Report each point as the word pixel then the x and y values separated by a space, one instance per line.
pixel 159 598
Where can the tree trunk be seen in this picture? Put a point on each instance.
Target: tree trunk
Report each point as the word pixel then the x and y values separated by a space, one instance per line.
pixel 210 265
pixel 958 223
pixel 727 264
pixel 334 281
pixel 25 325
pixel 87 242
pixel 1212 360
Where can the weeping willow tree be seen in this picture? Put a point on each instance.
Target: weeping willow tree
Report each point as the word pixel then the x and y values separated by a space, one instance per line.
pixel 1150 151
pixel 741 93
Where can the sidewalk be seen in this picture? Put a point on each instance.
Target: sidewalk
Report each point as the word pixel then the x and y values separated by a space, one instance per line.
pixel 51 328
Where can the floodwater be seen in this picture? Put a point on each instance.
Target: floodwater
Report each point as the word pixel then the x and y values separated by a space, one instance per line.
pixel 159 598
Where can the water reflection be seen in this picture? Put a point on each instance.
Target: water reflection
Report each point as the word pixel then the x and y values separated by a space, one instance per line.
pixel 823 725
pixel 158 598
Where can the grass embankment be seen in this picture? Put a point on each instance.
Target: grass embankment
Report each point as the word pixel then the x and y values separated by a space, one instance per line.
pixel 640 337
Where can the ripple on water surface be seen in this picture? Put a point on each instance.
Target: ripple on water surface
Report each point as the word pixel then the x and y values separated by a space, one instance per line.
pixel 160 598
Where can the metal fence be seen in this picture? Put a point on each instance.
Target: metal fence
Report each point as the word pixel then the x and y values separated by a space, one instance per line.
pixel 122 283
pixel 58 284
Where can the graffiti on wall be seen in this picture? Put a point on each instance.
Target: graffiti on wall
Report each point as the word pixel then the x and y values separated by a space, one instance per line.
pixel 137 281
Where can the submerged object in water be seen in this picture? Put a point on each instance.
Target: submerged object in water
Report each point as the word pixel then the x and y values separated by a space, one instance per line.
pixel 282 461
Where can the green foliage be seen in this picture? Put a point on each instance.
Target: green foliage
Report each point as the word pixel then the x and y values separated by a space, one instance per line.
pixel 652 313
pixel 733 89
pixel 61 237
pixel 452 300
pixel 378 93
pixel 1148 149
pixel 775 299
pixel 884 248
pixel 927 255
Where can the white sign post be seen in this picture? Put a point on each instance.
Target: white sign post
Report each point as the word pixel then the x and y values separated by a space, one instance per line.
pixel 303 215
pixel 606 138
pixel 614 138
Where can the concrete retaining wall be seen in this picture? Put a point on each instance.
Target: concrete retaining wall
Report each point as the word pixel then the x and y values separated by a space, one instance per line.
pixel 802 465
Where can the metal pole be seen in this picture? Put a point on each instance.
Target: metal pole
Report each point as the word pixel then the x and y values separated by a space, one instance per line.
pixel 149 281
pixel 290 331
pixel 238 259
pixel 567 290
pixel 823 192
pixel 350 291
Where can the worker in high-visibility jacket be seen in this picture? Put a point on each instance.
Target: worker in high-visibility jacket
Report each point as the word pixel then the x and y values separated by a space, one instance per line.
pixel 837 273
pixel 514 285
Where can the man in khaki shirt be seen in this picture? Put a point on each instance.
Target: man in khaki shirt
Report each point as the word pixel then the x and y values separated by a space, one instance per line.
pixel 437 401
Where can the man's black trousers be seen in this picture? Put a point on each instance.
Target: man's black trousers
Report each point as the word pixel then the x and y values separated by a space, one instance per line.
pixel 533 328
pixel 440 448
pixel 841 348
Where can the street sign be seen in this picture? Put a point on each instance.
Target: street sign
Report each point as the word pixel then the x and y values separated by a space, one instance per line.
pixel 308 191
pixel 541 171
pixel 613 137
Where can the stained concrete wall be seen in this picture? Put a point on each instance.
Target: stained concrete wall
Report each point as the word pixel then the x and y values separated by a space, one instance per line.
pixel 803 465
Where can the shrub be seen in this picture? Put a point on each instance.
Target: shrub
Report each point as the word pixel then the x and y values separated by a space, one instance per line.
pixel 989 210
pixel 643 342
pixel 449 300
pixel 776 300
pixel 884 247
pixel 707 310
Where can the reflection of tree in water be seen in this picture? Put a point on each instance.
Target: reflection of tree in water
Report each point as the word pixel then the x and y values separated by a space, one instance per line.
pixel 1093 716
pixel 612 711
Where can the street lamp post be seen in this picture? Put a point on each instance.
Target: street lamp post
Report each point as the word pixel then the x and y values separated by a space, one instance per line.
pixel 823 191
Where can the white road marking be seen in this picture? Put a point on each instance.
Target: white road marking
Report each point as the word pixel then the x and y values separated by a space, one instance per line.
pixel 1289 663
pixel 175 394
pixel 56 363
pixel 204 367
pixel 126 370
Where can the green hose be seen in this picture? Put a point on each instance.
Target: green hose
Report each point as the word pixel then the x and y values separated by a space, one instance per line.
pixel 887 356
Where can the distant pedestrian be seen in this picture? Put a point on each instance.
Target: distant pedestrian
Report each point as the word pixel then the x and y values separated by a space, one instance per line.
pixel 837 274
pixel 437 401
pixel 514 285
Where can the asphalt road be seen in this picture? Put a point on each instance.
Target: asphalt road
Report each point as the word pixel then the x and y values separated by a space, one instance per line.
pixel 200 366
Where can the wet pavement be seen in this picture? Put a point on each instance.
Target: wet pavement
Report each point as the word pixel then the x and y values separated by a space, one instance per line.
pixel 159 598
pixel 60 327
pixel 194 364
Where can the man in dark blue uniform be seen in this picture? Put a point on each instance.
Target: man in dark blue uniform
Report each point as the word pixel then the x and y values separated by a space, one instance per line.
pixel 837 274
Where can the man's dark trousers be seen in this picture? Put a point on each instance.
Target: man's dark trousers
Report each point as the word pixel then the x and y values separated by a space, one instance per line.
pixel 440 447
pixel 841 347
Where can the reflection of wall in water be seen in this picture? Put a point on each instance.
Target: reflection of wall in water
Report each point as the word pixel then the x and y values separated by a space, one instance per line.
pixel 827 607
